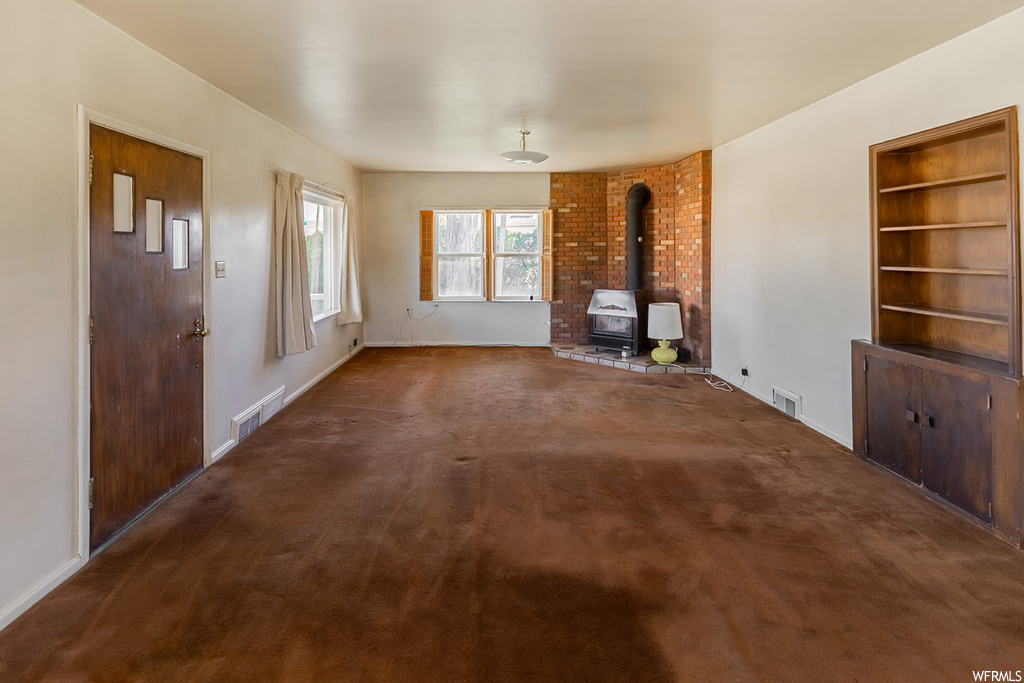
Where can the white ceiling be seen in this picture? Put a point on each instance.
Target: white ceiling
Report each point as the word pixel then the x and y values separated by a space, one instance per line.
pixel 443 85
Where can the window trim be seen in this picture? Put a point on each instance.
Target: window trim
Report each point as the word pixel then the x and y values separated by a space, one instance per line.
pixel 332 288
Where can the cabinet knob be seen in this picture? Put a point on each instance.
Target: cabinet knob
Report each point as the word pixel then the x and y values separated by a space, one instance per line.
pixel 911 416
pixel 928 421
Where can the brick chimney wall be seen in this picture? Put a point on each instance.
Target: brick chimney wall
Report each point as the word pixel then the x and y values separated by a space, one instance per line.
pixel 693 251
pixel 590 249
pixel 580 250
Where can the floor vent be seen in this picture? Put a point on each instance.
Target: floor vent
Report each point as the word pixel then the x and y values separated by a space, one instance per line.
pixel 787 402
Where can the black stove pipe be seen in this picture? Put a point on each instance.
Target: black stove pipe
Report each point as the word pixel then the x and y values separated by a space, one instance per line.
pixel 636 199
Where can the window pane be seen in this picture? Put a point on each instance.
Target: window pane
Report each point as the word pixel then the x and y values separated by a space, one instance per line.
pixel 124 203
pixel 460 276
pixel 154 226
pixel 517 276
pixel 516 233
pixel 314 217
pixel 179 244
pixel 460 233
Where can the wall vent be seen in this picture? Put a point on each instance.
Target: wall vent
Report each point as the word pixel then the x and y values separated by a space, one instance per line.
pixel 252 418
pixel 787 402
pixel 246 423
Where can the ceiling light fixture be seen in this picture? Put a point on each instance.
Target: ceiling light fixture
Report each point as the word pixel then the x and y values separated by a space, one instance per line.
pixel 521 156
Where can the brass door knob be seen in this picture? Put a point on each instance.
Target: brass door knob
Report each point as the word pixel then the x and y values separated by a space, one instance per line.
pixel 199 330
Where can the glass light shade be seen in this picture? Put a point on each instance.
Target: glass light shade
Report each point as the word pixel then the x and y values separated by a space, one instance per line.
pixel 523 157
pixel 664 321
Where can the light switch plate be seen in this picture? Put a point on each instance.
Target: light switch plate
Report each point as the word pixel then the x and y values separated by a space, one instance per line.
pixel 218 269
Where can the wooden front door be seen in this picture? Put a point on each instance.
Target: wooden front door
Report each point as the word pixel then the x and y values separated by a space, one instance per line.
pixel 146 296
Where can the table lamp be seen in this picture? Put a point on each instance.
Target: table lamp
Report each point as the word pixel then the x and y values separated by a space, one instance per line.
pixel 664 323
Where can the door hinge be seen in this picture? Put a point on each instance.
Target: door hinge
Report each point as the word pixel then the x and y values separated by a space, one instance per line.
pixel 92 161
pixel 92 329
pixel 92 492
pixel 865 445
pixel 865 365
pixel 990 401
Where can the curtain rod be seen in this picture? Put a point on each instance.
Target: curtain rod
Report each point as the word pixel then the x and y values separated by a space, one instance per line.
pixel 315 186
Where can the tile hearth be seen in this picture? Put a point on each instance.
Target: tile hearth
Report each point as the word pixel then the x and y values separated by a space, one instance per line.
pixel 640 363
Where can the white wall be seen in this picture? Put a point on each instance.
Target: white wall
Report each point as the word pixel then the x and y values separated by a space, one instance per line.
pixel 790 229
pixel 54 55
pixel 393 202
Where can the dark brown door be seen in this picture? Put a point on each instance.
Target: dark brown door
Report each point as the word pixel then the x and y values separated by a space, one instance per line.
pixel 892 416
pixel 146 294
pixel 956 441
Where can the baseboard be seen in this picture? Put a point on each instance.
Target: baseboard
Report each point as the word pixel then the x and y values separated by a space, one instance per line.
pixel 34 594
pixel 231 443
pixel 311 383
pixel 222 450
pixel 820 428
pixel 525 345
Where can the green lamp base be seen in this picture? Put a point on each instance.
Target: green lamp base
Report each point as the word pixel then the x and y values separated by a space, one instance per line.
pixel 664 354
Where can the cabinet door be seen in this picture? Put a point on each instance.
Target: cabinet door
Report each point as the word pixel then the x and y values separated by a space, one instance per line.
pixel 956 441
pixel 893 434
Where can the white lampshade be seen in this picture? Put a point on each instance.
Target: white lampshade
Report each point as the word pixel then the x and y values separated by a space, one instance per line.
pixel 664 321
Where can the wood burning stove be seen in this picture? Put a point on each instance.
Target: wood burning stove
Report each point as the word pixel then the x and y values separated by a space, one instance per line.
pixel 616 320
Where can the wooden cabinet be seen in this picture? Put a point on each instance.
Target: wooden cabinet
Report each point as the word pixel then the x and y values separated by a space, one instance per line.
pixel 937 393
pixel 956 439
pixel 932 426
pixel 892 416
pixel 950 428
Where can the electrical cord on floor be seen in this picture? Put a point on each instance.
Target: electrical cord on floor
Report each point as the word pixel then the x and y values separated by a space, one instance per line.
pixel 407 320
pixel 720 384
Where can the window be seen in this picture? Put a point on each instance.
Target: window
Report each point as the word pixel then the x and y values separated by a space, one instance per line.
pixel 485 255
pixel 517 242
pixel 323 245
pixel 460 255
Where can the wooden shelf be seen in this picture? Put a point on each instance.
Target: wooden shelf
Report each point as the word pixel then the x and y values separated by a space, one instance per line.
pixel 946 356
pixel 944 226
pixel 945 271
pixel 946 237
pixel 947 182
pixel 952 313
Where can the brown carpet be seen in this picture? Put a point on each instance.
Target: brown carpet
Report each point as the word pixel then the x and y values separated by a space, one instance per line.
pixel 503 515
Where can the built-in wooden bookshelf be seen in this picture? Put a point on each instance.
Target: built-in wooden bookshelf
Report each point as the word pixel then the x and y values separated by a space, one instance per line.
pixel 945 240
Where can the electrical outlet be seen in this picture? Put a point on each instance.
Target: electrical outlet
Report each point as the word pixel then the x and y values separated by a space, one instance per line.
pixel 745 372
pixel 355 342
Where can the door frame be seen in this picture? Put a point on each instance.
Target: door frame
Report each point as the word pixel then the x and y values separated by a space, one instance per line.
pixel 86 117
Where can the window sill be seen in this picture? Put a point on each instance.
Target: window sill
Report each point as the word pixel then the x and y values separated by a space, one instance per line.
pixel 329 315
pixel 489 303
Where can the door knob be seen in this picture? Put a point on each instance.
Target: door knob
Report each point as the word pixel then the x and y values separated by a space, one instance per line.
pixel 200 331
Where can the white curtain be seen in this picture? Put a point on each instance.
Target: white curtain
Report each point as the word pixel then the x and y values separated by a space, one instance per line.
pixel 351 303
pixel 294 314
